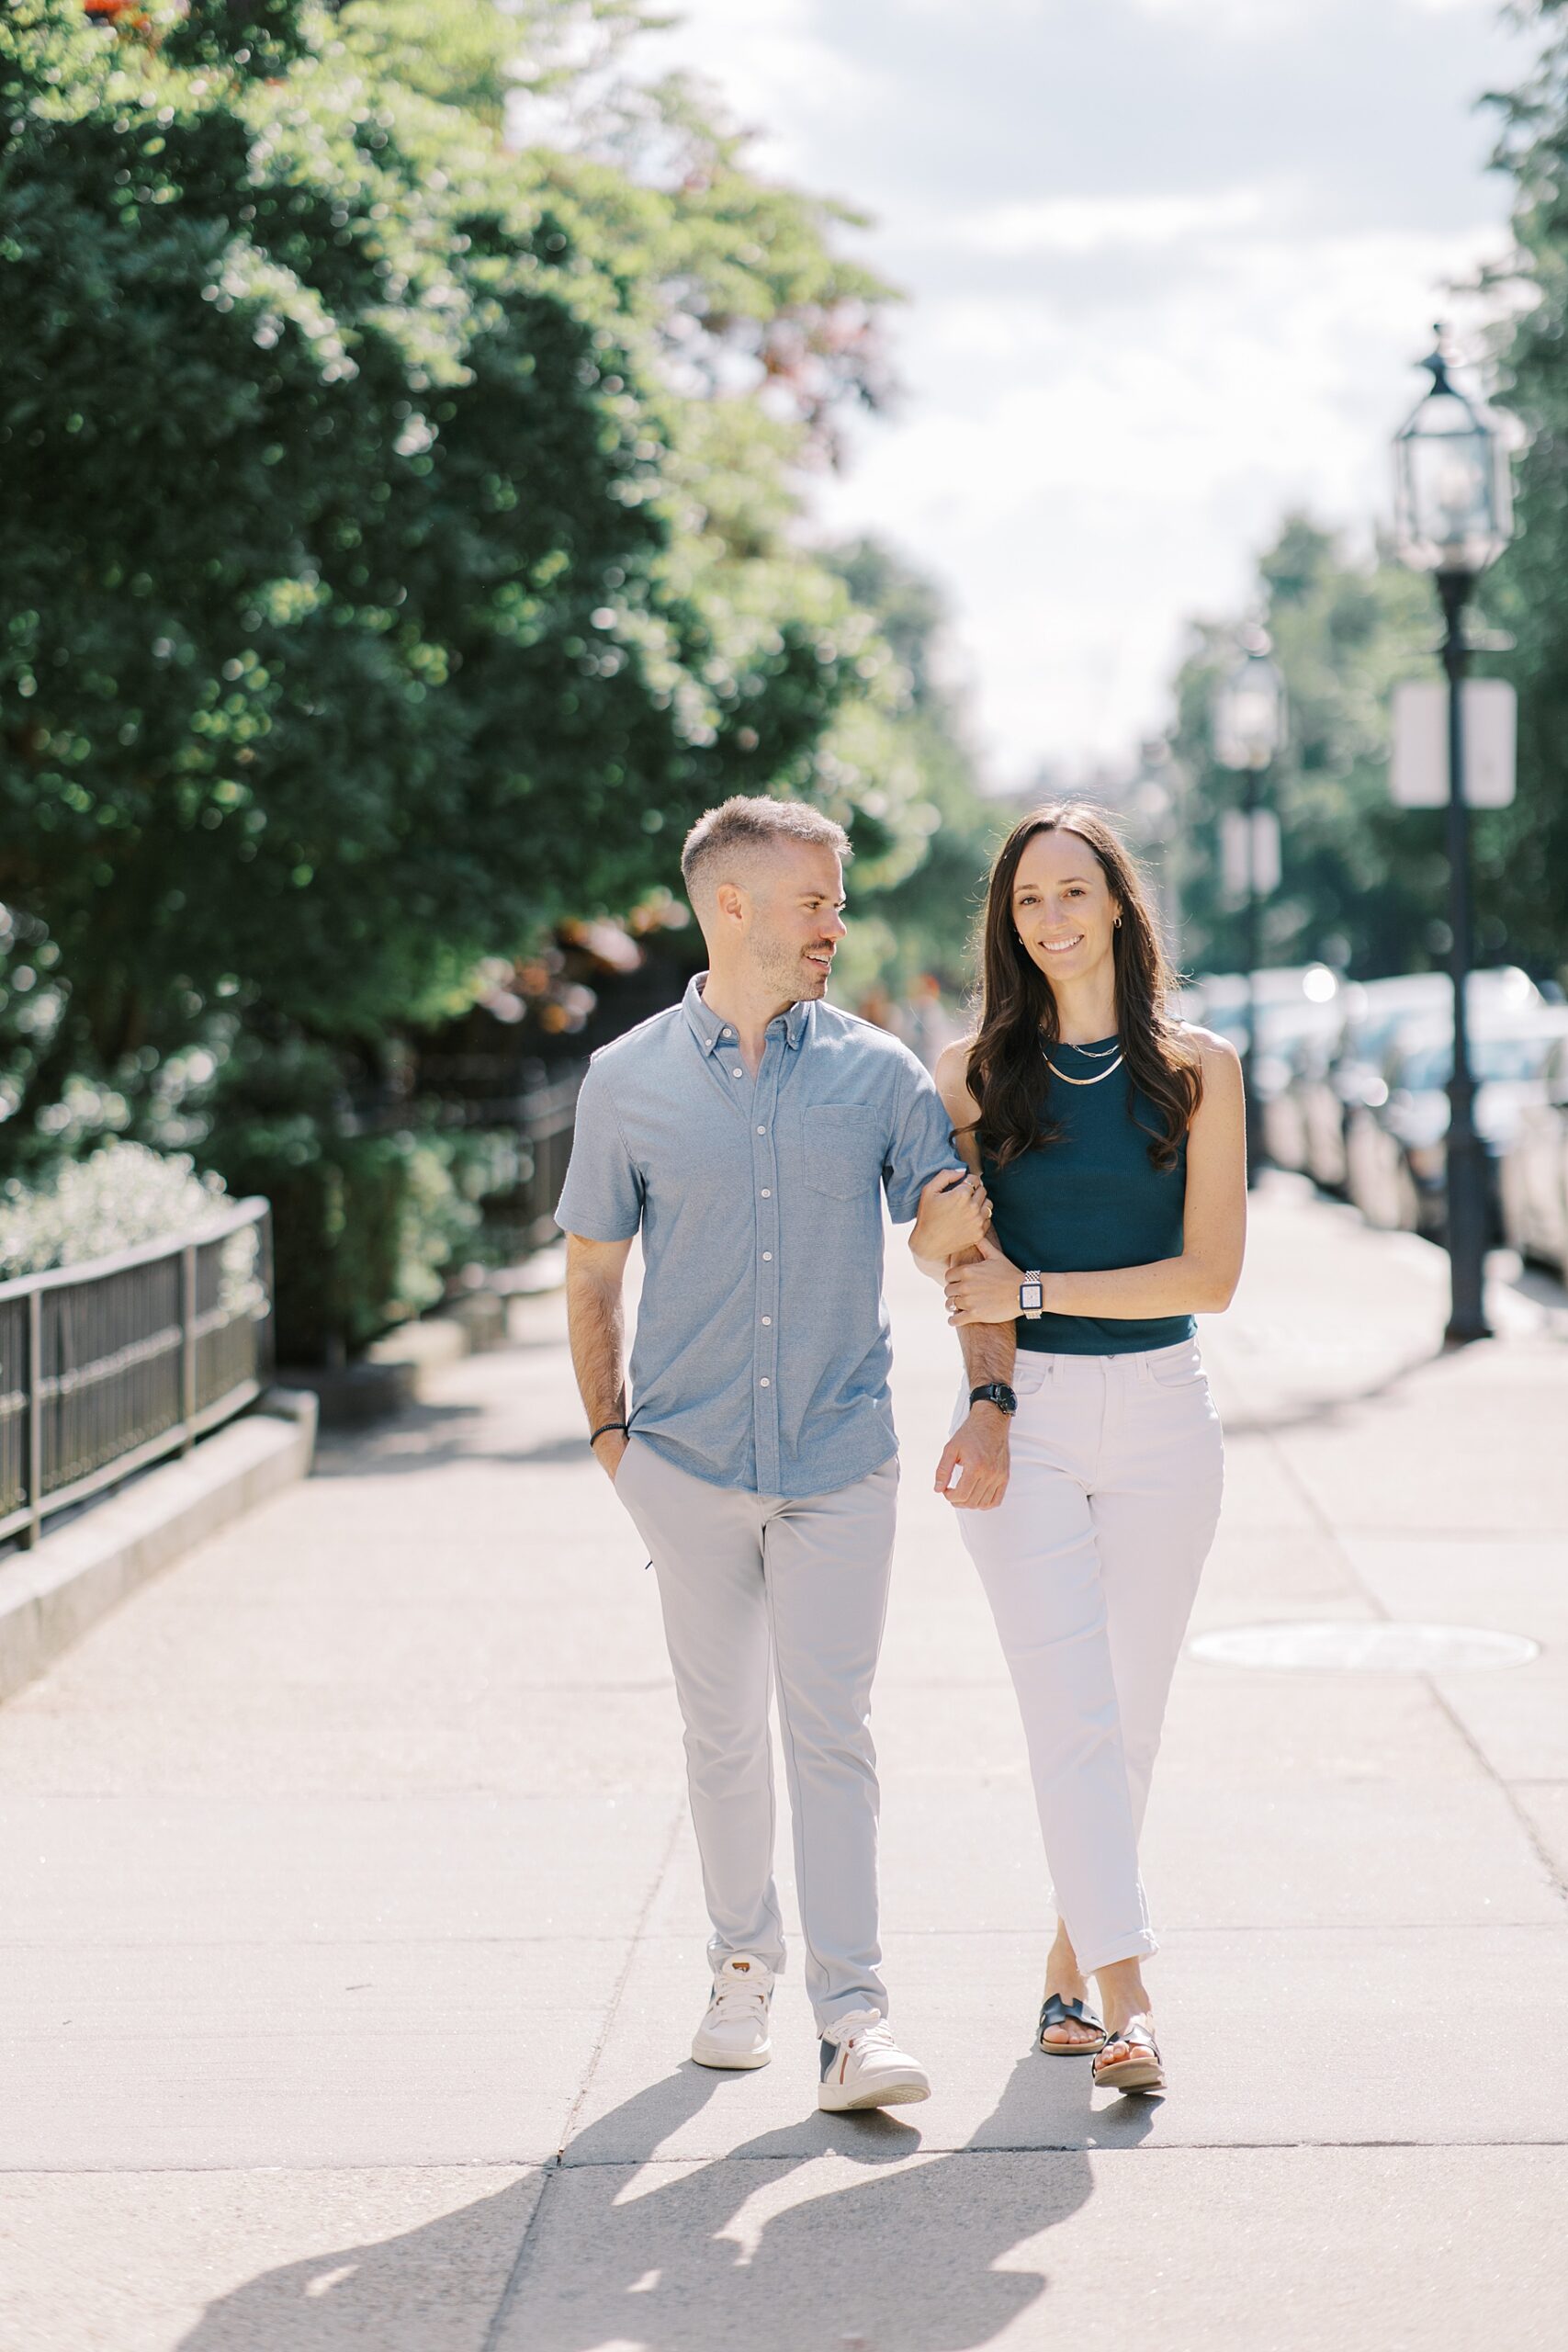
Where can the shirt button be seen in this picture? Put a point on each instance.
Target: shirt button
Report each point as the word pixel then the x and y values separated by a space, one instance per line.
pixel 724 1033
pixel 764 1382
pixel 736 1073
pixel 762 1131
pixel 767 1318
pixel 766 1194
pixel 767 1256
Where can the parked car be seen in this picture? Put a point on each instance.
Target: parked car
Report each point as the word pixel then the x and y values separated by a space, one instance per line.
pixel 1326 1092
pixel 1222 996
pixel 1294 1003
pixel 1288 1107
pixel 1397 1148
pixel 1291 1039
pixel 1533 1173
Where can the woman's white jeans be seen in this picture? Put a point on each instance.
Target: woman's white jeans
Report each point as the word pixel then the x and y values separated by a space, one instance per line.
pixel 1090 1564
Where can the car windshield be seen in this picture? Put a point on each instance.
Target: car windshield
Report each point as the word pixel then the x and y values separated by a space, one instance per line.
pixel 1496 1059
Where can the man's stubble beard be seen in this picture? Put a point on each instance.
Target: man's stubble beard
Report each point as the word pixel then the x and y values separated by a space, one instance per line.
pixel 786 972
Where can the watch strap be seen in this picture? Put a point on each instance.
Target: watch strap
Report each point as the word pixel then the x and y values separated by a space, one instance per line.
pixel 997 1393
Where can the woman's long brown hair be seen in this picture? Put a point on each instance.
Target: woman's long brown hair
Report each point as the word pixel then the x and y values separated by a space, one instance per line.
pixel 1018 1006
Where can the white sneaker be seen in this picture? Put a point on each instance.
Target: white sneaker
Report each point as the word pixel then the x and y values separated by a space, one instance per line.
pixel 735 2030
pixel 863 2066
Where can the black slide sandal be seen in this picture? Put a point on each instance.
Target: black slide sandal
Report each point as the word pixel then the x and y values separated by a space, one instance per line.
pixel 1055 2011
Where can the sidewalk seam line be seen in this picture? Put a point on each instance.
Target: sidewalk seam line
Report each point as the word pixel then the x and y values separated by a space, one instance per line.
pixel 931 2151
pixel 519 2269
pixel 549 2167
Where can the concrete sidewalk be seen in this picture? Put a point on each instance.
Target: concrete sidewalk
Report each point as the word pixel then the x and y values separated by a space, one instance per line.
pixel 353 1938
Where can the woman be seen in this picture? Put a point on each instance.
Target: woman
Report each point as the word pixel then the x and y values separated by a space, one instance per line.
pixel 1110 1140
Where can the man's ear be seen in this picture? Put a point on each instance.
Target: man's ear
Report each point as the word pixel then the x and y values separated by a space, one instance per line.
pixel 731 902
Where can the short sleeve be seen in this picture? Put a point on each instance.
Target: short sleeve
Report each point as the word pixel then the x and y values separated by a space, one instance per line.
pixel 922 1148
pixel 602 1198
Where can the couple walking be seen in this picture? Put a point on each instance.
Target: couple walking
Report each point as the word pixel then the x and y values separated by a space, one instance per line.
pixel 1094 1199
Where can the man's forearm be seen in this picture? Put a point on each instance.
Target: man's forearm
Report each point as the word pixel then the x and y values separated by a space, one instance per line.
pixel 989 1348
pixel 596 1326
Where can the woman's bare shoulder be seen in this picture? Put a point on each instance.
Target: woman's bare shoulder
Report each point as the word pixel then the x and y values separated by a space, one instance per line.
pixel 952 1081
pixel 1212 1047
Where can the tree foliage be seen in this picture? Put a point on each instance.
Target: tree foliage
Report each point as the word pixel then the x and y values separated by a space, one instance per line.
pixel 403 429
pixel 397 541
pixel 1363 883
pixel 923 905
pixel 1524 883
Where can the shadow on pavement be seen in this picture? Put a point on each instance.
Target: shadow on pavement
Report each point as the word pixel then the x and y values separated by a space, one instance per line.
pixel 426 1437
pixel 677 2257
pixel 1308 1411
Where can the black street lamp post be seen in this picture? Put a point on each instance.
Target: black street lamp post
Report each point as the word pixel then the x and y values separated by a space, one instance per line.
pixel 1248 726
pixel 1453 516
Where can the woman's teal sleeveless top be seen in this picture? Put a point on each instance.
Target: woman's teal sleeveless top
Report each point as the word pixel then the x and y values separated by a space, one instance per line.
pixel 1089 1201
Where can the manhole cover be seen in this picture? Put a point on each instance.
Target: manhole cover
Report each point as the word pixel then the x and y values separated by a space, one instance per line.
pixel 1364 1649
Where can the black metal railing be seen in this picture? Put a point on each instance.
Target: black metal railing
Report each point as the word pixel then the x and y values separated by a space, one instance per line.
pixel 108 1365
pixel 520 1218
pixel 531 1110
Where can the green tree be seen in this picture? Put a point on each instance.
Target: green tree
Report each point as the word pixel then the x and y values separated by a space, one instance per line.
pixel 1523 850
pixel 376 592
pixel 1361 881
pixel 398 547
pixel 924 901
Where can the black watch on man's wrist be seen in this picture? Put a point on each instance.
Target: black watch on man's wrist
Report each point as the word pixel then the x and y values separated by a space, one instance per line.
pixel 997 1393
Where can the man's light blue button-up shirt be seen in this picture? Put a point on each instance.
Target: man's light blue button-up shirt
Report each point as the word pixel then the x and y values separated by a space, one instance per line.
pixel 761 1354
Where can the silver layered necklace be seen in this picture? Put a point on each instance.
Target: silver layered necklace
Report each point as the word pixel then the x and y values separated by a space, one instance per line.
pixel 1110 1054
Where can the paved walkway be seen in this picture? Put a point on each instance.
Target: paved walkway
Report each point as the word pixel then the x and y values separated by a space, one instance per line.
pixel 352 1936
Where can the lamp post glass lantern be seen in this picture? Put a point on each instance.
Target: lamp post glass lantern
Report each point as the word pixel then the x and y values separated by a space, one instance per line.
pixel 1249 728
pixel 1453 494
pixel 1249 708
pixel 1453 515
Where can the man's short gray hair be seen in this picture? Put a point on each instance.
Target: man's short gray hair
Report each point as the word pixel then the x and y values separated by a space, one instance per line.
pixel 738 829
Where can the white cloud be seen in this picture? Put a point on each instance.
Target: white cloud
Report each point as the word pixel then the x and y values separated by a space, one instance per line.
pixel 1089 224
pixel 1089 485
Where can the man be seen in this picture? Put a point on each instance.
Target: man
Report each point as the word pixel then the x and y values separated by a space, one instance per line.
pixel 748 1134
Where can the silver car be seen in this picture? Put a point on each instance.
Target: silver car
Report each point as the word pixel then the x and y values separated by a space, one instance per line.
pixel 1534 1171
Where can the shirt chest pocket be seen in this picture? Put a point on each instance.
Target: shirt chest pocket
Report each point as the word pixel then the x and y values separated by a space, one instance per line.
pixel 842 1148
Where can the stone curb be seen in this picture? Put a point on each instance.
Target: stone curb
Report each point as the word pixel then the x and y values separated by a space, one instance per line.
pixel 50 1596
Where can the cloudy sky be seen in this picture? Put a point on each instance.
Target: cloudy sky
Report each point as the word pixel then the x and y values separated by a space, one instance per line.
pixel 1169 261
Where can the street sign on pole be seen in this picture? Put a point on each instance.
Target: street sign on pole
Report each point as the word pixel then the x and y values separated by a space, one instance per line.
pixel 1419 771
pixel 1265 852
pixel 1249 854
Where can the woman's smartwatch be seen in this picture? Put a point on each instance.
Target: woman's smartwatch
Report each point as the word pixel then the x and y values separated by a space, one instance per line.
pixel 997 1393
pixel 1032 1296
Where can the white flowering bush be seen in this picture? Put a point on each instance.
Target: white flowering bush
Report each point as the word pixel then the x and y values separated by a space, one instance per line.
pixel 122 1194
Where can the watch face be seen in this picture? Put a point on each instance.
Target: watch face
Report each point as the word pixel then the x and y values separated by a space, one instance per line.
pixel 1031 1297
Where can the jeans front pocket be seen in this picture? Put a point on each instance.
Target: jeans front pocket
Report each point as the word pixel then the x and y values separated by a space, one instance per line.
pixel 1175 1367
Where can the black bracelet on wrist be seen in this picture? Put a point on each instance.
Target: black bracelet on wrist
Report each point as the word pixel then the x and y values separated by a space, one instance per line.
pixel 604 1428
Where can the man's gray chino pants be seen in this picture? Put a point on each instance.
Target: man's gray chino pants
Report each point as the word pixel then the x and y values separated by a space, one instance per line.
pixel 760 1592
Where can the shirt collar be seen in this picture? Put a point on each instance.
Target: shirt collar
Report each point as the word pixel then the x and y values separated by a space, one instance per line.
pixel 711 1033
